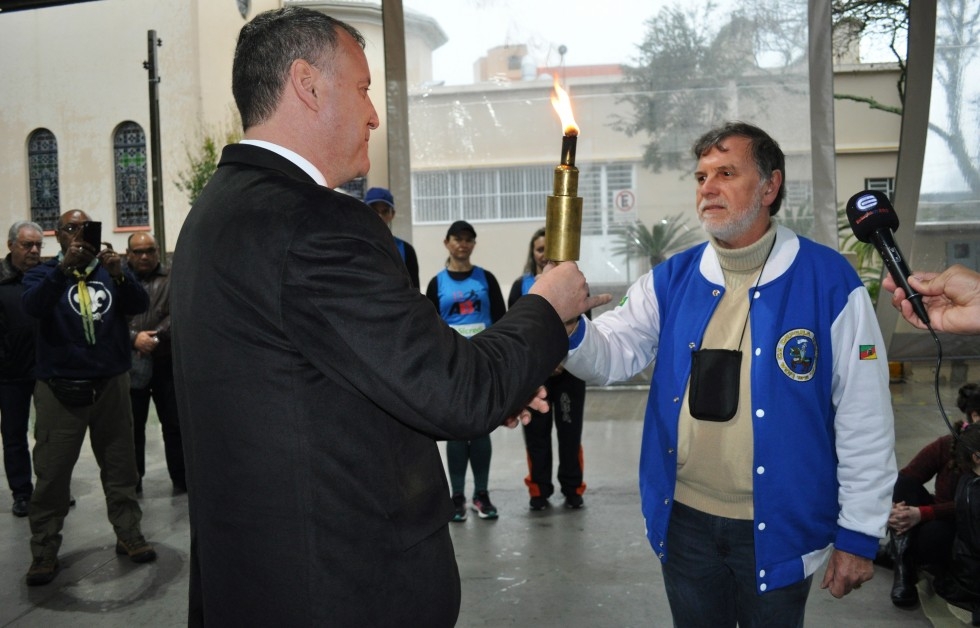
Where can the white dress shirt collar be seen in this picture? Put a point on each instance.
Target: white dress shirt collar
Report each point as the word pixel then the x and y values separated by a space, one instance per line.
pixel 297 159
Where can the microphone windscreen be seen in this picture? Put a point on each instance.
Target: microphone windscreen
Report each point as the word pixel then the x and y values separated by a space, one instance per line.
pixel 869 211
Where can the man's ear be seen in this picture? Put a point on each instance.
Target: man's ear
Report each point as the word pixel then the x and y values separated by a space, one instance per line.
pixel 772 187
pixel 303 81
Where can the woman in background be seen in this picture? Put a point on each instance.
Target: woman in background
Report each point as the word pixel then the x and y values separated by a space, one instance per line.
pixel 566 395
pixel 469 299
pixel 922 525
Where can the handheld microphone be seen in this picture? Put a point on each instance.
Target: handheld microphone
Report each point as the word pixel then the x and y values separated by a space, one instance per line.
pixel 873 219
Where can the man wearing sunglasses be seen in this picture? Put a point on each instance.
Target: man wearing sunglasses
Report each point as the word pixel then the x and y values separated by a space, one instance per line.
pixel 81 299
pixel 17 331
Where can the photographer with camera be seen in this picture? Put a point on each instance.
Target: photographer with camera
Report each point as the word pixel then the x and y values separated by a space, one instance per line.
pixel 81 299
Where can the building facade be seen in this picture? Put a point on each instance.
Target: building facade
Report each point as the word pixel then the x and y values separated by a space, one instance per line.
pixel 75 127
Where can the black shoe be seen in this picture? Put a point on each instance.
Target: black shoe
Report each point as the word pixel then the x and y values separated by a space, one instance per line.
pixel 904 593
pixel 138 550
pixel 884 557
pixel 139 487
pixel 574 502
pixel 459 503
pixel 42 571
pixel 483 507
pixel 540 503
pixel 179 488
pixel 71 502
pixel 21 506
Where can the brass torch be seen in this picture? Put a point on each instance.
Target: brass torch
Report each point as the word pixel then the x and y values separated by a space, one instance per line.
pixel 563 221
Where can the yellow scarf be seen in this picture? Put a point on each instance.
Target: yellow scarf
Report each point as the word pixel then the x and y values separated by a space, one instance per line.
pixel 85 299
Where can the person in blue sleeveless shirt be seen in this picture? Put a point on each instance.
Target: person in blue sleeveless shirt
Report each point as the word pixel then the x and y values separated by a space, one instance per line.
pixel 567 413
pixel 381 201
pixel 469 299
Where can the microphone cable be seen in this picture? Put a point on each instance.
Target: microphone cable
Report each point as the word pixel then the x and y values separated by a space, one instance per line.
pixel 939 401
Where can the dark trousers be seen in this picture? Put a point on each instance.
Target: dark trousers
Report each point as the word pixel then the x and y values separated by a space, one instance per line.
pixel 476 453
pixel 59 432
pixel 15 412
pixel 161 390
pixel 930 542
pixel 566 395
pixel 710 574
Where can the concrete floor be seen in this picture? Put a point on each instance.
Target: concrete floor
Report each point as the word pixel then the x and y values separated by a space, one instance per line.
pixel 559 567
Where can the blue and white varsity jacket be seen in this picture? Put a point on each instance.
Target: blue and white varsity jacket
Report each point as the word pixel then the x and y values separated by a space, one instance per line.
pixel 823 428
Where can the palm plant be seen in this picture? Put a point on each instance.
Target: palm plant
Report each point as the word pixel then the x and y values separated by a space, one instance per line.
pixel 869 264
pixel 666 237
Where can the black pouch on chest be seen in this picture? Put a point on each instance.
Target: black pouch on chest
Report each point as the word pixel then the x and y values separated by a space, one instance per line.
pixel 714 384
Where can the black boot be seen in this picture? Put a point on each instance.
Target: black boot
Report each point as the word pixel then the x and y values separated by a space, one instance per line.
pixel 904 593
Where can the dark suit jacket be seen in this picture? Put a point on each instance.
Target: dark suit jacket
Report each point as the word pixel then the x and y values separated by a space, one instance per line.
pixel 313 382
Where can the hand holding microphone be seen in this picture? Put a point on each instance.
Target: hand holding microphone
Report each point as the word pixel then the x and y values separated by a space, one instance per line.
pixel 873 219
pixel 951 297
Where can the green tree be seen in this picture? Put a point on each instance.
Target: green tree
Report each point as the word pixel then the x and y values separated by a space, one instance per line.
pixel 692 71
pixel 668 236
pixel 886 21
pixel 697 66
pixel 202 161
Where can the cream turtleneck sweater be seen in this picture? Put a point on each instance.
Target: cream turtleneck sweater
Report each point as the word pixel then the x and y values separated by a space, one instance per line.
pixel 714 462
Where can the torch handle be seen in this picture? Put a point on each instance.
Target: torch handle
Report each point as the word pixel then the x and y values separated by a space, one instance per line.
pixel 563 221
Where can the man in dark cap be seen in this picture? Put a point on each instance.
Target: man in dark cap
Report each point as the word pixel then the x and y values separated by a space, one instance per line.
pixel 469 299
pixel 381 201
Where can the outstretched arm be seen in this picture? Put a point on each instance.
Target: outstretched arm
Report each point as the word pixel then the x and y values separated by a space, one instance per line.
pixel 952 299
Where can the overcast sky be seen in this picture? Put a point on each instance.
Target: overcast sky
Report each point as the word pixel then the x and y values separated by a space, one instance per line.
pixel 592 31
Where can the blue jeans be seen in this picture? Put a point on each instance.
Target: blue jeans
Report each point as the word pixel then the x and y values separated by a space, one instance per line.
pixel 710 576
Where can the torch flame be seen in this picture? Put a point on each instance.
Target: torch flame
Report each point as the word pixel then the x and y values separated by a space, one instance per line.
pixel 563 105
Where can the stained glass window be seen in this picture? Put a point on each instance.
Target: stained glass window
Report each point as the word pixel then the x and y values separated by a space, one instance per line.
pixel 129 157
pixel 42 159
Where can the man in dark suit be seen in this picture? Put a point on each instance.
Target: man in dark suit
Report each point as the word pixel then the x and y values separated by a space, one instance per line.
pixel 312 379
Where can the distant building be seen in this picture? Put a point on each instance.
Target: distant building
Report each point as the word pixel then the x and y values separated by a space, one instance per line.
pixel 75 125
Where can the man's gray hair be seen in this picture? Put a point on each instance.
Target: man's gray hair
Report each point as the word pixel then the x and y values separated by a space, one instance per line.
pixel 267 47
pixel 21 224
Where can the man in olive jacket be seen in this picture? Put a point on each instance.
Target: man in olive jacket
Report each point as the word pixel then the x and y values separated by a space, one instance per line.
pixel 313 380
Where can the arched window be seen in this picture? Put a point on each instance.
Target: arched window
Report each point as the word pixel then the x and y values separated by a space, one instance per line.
pixel 129 159
pixel 42 160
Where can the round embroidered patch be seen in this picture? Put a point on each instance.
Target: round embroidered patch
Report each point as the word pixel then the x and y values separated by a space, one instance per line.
pixel 796 354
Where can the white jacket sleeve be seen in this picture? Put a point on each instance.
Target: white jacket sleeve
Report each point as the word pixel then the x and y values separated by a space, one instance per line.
pixel 864 421
pixel 621 342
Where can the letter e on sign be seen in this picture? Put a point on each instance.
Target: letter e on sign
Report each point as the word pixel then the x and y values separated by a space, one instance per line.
pixel 625 203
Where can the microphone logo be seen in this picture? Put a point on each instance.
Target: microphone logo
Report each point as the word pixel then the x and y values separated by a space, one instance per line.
pixel 896 254
pixel 866 203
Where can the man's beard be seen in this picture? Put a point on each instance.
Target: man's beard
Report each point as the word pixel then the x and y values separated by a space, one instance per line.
pixel 739 224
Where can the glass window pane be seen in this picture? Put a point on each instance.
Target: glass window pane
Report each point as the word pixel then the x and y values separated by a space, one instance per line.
pixel 42 160
pixel 129 158
pixel 947 227
pixel 643 89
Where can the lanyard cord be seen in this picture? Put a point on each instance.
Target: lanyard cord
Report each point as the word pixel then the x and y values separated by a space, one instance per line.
pixel 754 289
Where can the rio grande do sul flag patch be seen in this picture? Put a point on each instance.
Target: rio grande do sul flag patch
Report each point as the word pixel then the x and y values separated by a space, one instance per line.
pixel 868 352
